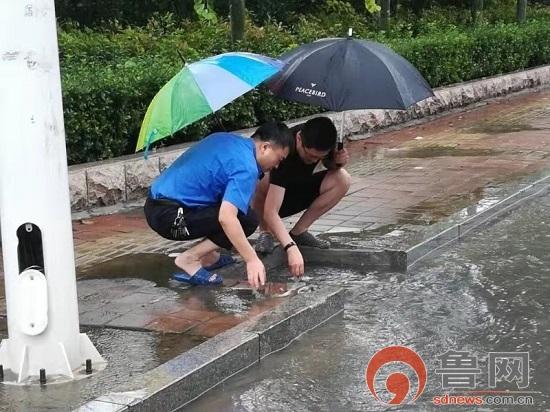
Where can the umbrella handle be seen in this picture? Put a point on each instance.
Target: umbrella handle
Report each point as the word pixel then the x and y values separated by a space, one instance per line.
pixel 338 148
pixel 340 145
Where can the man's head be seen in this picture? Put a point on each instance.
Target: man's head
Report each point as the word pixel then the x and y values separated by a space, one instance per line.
pixel 316 139
pixel 272 144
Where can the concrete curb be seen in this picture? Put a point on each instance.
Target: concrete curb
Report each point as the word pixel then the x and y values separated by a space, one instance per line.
pixel 385 260
pixel 361 259
pixel 126 179
pixel 460 230
pixel 189 375
pixel 401 260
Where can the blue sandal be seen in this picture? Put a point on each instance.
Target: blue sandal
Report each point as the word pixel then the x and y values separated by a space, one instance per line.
pixel 201 277
pixel 224 260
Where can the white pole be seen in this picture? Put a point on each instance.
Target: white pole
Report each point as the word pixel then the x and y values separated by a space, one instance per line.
pixel 35 214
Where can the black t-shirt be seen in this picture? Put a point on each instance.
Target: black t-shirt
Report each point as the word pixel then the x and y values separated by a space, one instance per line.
pixel 293 171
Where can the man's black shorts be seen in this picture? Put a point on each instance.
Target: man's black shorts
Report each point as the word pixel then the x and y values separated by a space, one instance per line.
pixel 200 222
pixel 300 196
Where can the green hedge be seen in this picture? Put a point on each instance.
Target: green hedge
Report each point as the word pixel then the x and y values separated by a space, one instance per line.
pixel 138 12
pixel 109 78
pixel 135 12
pixel 486 51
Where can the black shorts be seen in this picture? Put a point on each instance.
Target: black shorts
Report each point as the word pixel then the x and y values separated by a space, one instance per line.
pixel 199 222
pixel 300 196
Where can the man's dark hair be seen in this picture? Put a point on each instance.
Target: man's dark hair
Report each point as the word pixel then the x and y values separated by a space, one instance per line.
pixel 274 132
pixel 319 133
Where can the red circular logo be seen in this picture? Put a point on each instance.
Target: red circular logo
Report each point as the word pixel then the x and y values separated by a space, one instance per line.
pixel 397 383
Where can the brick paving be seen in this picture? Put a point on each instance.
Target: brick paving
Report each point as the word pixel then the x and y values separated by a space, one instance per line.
pixel 397 177
pixel 418 175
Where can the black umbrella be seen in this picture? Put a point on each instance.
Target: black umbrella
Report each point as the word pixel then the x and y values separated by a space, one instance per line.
pixel 345 73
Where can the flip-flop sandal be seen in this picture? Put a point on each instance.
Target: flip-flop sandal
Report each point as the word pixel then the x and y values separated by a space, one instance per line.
pixel 224 260
pixel 201 277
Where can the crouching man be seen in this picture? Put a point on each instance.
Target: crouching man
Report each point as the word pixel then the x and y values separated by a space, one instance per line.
pixel 294 187
pixel 206 193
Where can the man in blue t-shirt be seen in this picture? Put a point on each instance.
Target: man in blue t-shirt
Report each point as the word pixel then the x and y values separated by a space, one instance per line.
pixel 207 192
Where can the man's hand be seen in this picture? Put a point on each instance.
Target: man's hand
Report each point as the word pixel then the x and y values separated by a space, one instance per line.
pixel 295 261
pixel 341 157
pixel 255 271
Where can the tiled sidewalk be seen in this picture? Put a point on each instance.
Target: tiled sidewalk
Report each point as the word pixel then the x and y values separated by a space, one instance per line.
pixel 418 175
pixel 415 176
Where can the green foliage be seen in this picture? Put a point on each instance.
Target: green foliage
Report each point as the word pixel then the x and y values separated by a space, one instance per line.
pixel 204 11
pixel 442 59
pixel 138 12
pixel 109 78
pixel 110 75
pixel 456 56
pixel 285 11
pixel 134 12
pixel 332 19
pixel 371 6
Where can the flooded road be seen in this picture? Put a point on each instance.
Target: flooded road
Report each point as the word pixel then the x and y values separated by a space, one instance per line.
pixel 490 293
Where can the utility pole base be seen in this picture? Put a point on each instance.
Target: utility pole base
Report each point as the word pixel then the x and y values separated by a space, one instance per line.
pixel 16 367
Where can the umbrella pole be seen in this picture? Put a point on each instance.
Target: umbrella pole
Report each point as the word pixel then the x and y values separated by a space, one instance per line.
pixel 341 135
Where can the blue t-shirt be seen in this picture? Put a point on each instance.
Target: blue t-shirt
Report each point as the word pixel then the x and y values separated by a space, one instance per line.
pixel 220 167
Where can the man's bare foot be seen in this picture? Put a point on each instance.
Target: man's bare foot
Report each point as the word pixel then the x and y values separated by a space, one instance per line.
pixel 188 262
pixel 210 258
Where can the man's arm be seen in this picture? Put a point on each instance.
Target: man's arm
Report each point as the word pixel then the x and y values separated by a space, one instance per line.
pixel 234 231
pixel 272 205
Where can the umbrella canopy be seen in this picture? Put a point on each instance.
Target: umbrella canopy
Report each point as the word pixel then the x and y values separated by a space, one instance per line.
pixel 201 88
pixel 346 73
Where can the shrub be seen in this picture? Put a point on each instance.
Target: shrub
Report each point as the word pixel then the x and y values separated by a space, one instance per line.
pixel 109 77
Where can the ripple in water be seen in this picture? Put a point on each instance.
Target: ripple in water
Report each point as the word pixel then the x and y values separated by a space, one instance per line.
pixel 490 293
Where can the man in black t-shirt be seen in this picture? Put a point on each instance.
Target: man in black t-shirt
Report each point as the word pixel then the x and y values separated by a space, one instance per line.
pixel 294 187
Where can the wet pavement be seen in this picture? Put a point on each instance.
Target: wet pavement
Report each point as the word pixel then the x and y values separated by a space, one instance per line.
pixel 409 180
pixel 126 301
pixel 407 185
pixel 128 353
pixel 490 293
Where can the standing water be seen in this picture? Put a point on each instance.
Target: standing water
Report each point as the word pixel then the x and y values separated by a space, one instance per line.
pixel 490 293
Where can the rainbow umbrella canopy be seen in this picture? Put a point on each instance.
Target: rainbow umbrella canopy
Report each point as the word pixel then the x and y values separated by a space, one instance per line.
pixel 200 89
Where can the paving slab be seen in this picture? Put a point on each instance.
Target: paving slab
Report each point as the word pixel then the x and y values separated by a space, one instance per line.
pixel 195 371
pixel 408 185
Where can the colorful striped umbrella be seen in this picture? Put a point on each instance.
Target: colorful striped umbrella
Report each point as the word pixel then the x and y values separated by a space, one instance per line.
pixel 201 88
